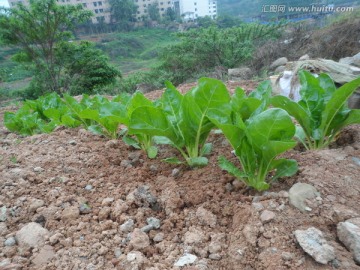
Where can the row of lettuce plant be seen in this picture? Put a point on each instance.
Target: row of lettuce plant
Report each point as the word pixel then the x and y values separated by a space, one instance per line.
pixel 258 126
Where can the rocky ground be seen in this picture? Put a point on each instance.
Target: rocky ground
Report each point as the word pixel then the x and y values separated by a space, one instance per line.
pixel 73 200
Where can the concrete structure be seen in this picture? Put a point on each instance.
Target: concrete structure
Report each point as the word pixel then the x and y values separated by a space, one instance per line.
pixel 142 11
pixel 100 8
pixel 192 9
pixel 188 9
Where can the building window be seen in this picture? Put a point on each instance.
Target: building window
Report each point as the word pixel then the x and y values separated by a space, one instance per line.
pixel 100 3
pixel 84 5
pixel 95 4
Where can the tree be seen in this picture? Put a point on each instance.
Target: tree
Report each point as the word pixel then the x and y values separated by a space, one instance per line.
pixel 153 10
pixel 41 30
pixel 122 12
pixel 170 14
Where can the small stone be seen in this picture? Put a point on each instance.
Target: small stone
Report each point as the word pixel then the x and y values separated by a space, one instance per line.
pixel 287 256
pixel 147 228
pixel 84 208
pixel 102 250
pixel 229 187
pixel 111 144
pixel 3 214
pixel 70 213
pixel 38 169
pixel 117 252
pixel 258 206
pixel 313 242
pixel 126 163
pixel 127 226
pixel 304 57
pixel 3 228
pixel 54 239
pixel 154 222
pixel 88 187
pixel 139 240
pixel 10 242
pixel 175 172
pixel 153 168
pixel 36 204
pixel 307 209
pixel 266 216
pixel 159 237
pixel 107 201
pixel 349 234
pixel 72 142
pixel 135 257
pixel 283 194
pixel 279 62
pixel 300 192
pixel 187 259
pixel 31 235
pixel 215 256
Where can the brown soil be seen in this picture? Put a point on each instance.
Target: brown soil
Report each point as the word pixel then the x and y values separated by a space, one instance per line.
pixel 230 235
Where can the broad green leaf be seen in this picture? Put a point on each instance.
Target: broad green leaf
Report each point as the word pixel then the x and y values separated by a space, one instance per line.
pixel 206 149
pixel 295 110
pixel 131 142
pixel 152 152
pixel 96 130
pixel 284 168
pixel 352 118
pixel 336 103
pixel 198 161
pixel 226 165
pixel 150 121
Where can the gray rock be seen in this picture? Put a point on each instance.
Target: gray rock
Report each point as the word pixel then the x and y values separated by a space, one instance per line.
pixel 238 74
pixel 175 172
pixel 299 192
pixel 107 201
pixel 215 256
pixel 258 206
pixel 287 256
pixel 72 142
pixel 88 187
pixel 159 237
pixel 313 242
pixel 38 169
pixel 84 208
pixel 349 234
pixel 35 204
pixel 31 235
pixel 147 228
pixel 279 62
pixel 279 69
pixel 154 222
pixel 135 257
pixel 304 57
pixel 117 252
pixel 127 226
pixel 187 259
pixel 267 216
pixel 3 214
pixel 143 197
pixel 11 241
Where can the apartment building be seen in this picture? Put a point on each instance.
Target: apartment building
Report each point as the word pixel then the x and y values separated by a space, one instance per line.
pixel 100 8
pixel 188 9
pixel 143 5
pixel 192 9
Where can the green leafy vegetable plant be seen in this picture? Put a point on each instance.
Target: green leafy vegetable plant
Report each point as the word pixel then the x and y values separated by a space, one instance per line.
pixel 181 120
pixel 258 135
pixel 322 111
